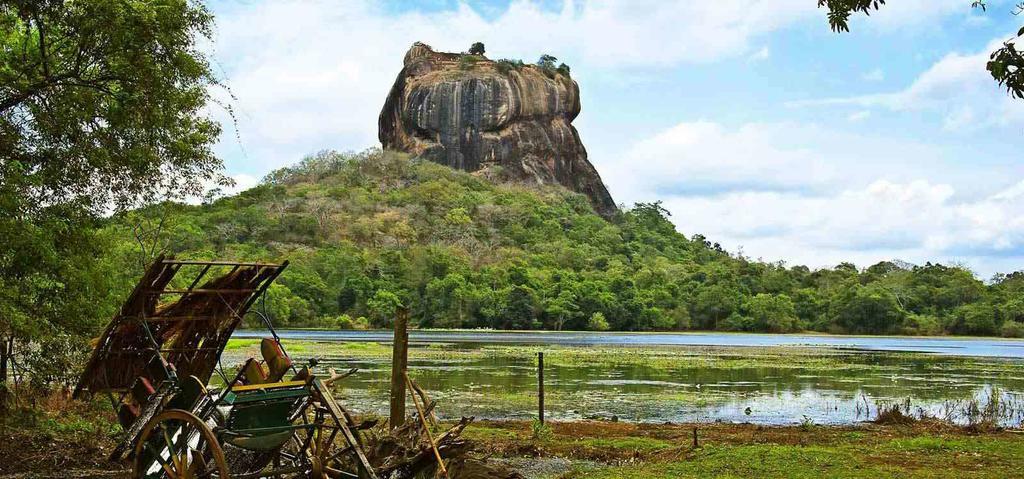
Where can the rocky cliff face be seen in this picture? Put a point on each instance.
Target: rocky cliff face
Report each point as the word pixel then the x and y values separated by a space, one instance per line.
pixel 471 113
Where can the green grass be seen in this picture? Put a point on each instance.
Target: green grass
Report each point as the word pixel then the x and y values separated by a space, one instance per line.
pixel 235 344
pixel 917 457
pixel 645 444
pixel 568 356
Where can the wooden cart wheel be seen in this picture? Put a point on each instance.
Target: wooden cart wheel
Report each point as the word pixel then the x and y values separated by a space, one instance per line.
pixel 178 445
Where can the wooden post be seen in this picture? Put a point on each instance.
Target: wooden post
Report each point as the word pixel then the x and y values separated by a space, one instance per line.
pixel 399 363
pixel 540 387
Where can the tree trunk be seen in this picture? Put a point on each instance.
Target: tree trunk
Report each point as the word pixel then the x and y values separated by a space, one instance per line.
pixel 6 349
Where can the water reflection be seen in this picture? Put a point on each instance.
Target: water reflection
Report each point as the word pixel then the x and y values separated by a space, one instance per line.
pixel 502 387
pixel 716 384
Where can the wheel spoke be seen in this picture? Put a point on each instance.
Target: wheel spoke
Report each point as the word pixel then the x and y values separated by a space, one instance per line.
pixel 186 469
pixel 170 450
pixel 182 445
pixel 197 466
pixel 157 454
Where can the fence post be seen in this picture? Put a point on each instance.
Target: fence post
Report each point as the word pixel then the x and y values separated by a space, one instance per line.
pixel 540 387
pixel 399 364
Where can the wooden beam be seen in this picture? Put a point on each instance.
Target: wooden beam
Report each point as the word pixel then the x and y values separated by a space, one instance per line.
pixel 217 263
pixel 399 364
pixel 339 417
pixel 202 291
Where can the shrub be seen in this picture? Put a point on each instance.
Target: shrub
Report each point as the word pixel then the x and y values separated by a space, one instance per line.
pixel 1012 329
pixel 547 62
pixel 505 65
pixel 347 322
pixel 467 61
pixel 922 324
pixel 597 322
pixel 736 322
pixel 894 414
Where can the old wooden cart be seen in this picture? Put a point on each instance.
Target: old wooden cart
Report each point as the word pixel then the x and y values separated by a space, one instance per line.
pixel 156 359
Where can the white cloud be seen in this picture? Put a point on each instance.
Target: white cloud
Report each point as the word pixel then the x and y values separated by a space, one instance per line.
pixel 313 74
pixel 859 115
pixel 816 196
pixel 242 182
pixel 705 157
pixel 310 75
pixel 759 55
pixel 320 81
pixel 874 75
pixel 910 14
pixel 957 89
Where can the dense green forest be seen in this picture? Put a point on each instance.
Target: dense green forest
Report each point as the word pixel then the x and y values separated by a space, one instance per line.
pixel 371 232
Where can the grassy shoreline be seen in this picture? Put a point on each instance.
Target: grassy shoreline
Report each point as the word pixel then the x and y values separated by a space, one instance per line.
pixel 599 450
pixel 73 440
pixel 650 333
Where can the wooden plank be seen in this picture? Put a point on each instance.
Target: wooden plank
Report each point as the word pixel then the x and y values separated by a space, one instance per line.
pixel 147 412
pixel 218 263
pixel 166 319
pixel 256 387
pixel 202 291
pixel 339 417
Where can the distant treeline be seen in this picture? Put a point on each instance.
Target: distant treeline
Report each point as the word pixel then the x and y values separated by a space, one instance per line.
pixel 371 232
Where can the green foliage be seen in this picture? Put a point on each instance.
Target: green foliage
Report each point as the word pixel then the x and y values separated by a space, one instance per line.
pixel 477 48
pixel 839 11
pixel 102 103
pixel 467 61
pixel 771 312
pixel 547 62
pixel 506 65
pixel 541 431
pixel 368 233
pixel 597 322
pixel 1012 329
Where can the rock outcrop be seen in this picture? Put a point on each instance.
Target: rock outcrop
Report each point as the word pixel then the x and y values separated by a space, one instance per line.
pixel 471 113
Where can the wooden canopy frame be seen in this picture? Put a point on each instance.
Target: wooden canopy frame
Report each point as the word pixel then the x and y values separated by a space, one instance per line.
pixel 185 335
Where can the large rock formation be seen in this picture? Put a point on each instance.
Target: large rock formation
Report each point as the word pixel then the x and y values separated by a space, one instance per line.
pixel 471 113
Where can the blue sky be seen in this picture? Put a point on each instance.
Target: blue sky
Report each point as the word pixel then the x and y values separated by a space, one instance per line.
pixel 754 123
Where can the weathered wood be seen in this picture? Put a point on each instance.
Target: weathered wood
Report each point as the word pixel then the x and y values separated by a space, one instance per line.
pixel 427 402
pixel 449 445
pixel 147 412
pixel 426 429
pixel 190 331
pixel 399 363
pixel 540 387
pixel 365 469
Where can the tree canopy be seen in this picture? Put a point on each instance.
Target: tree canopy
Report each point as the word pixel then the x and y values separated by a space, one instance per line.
pixel 101 106
pixel 368 233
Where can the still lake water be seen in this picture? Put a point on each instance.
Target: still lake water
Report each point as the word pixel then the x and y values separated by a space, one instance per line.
pixel 711 381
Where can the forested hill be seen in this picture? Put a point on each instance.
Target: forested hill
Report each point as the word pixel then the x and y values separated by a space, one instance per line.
pixel 367 233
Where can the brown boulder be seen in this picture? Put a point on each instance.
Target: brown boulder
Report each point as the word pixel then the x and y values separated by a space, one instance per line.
pixel 471 113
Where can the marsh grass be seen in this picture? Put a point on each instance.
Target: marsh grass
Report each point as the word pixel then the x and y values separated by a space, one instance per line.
pixel 897 413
